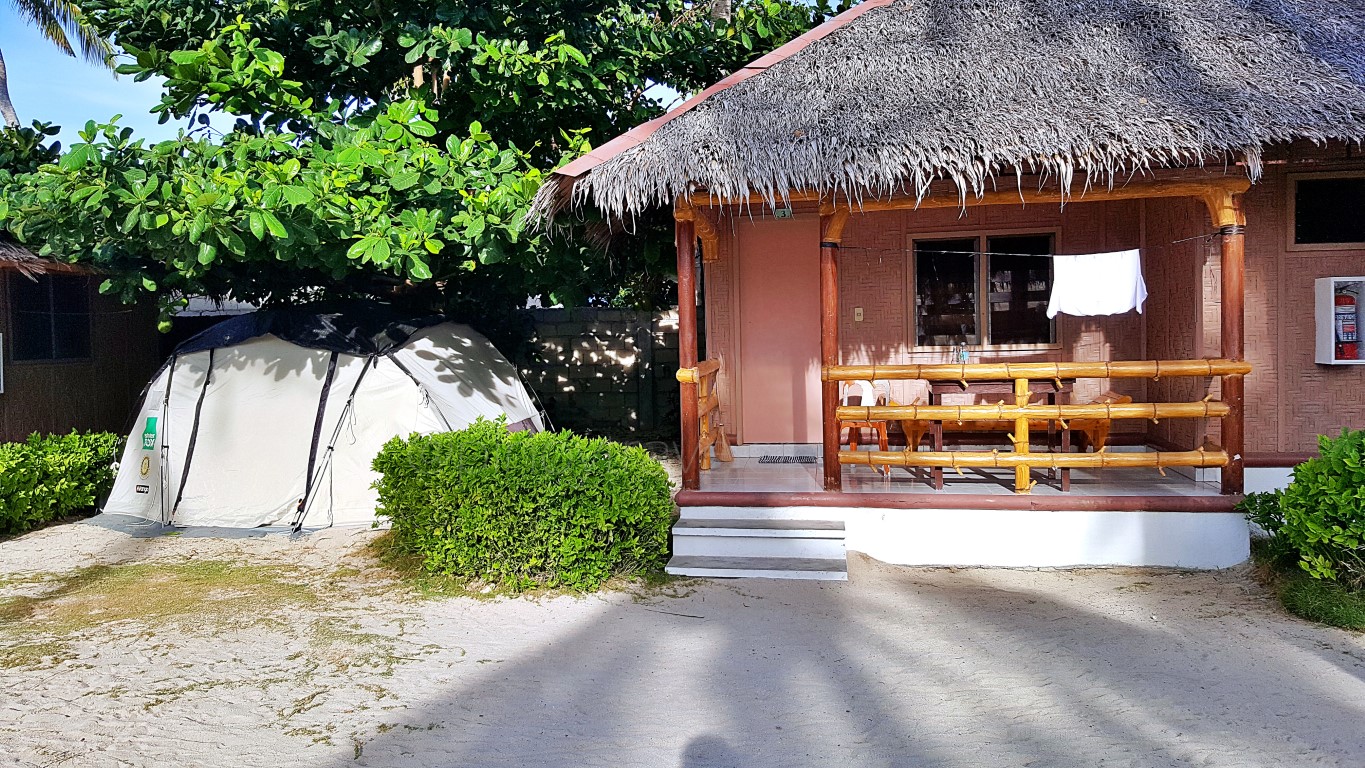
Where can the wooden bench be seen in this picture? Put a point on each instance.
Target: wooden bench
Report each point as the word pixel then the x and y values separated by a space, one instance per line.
pixel 1093 434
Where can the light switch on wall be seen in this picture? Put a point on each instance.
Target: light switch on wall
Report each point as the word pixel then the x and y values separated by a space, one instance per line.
pixel 857 314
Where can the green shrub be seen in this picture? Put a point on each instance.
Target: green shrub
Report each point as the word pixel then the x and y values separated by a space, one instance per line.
pixel 1320 517
pixel 1266 510
pixel 46 478
pixel 523 510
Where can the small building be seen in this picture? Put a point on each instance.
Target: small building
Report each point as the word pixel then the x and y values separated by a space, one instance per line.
pixel 70 358
pixel 879 216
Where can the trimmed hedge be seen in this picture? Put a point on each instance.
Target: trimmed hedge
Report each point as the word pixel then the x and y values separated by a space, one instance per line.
pixel 524 510
pixel 46 478
pixel 1319 520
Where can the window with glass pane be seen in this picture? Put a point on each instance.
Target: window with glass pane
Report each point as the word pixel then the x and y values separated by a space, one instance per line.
pixel 50 317
pixel 945 292
pixel 1329 211
pixel 1019 280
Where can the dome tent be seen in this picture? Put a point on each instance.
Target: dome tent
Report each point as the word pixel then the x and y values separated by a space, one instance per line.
pixel 273 418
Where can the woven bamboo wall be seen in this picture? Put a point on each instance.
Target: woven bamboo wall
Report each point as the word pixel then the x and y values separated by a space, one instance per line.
pixel 1290 399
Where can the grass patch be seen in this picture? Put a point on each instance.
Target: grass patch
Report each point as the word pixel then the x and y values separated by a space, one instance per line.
pixel 201 592
pixel 34 655
pixel 1323 602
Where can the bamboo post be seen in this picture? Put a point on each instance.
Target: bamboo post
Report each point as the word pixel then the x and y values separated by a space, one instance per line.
pixel 704 427
pixel 1233 241
pixel 686 242
pixel 1021 437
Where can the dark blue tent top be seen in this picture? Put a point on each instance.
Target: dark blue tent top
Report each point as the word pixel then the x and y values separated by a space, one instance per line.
pixel 360 328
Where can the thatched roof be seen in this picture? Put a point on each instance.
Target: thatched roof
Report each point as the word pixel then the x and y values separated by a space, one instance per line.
pixel 18 259
pixel 896 94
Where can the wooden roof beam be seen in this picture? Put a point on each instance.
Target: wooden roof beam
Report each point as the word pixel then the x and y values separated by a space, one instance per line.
pixel 1216 193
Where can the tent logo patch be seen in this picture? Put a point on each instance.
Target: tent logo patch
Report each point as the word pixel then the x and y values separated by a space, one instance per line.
pixel 146 465
pixel 144 489
pixel 149 434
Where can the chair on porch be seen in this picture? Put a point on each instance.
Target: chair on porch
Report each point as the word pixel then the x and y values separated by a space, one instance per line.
pixel 1094 433
pixel 865 394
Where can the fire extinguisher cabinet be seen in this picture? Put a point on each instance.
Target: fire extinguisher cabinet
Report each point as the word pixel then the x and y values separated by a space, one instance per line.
pixel 1338 309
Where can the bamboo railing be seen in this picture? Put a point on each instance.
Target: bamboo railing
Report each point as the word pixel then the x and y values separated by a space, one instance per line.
pixel 1022 413
pixel 712 433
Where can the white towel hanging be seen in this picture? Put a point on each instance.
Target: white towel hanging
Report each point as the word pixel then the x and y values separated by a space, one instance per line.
pixel 1097 284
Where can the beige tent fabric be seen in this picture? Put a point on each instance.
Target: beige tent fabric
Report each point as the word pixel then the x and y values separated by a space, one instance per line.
pixel 242 444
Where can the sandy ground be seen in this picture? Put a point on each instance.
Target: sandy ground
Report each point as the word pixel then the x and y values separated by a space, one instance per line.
pixel 329 664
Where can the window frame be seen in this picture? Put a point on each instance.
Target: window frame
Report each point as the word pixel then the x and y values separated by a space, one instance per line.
pixel 982 286
pixel 13 305
pixel 1291 211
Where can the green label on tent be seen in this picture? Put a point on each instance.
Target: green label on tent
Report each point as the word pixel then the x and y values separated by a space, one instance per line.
pixel 149 434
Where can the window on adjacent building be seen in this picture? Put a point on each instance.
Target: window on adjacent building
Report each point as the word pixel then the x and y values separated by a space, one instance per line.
pixel 1012 272
pixel 50 317
pixel 1329 210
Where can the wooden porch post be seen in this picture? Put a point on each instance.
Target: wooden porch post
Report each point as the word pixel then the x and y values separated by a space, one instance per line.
pixel 686 241
pixel 1233 241
pixel 831 234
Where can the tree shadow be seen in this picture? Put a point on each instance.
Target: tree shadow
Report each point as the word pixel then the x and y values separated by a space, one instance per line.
pixel 898 668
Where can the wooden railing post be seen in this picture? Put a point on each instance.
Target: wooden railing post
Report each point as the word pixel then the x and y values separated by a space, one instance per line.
pixel 1233 237
pixel 1021 437
pixel 686 241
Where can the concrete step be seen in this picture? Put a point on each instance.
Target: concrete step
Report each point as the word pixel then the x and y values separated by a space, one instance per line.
pixel 757 513
pixel 758 526
pixel 758 546
pixel 813 568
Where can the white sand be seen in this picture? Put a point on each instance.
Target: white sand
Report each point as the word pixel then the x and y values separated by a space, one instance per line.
pixel 898 667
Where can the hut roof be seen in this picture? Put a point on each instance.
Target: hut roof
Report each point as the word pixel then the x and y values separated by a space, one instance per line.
pixel 895 94
pixel 16 258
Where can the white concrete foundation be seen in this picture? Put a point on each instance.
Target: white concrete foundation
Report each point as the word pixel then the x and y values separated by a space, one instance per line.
pixel 1026 539
pixel 1020 539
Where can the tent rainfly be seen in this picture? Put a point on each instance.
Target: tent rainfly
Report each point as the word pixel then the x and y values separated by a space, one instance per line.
pixel 273 418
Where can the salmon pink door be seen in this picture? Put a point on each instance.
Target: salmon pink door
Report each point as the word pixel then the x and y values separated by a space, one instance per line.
pixel 779 316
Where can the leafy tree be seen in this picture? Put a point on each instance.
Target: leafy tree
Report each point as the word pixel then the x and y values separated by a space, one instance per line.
pixel 363 161
pixel 59 21
pixel 363 207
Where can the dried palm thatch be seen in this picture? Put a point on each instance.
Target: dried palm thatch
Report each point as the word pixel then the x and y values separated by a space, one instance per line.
pixel 18 259
pixel 14 256
pixel 900 93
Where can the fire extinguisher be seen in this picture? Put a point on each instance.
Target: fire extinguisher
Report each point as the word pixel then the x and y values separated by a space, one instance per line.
pixel 1348 335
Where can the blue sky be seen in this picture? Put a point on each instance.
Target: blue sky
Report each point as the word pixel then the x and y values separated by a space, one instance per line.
pixel 46 84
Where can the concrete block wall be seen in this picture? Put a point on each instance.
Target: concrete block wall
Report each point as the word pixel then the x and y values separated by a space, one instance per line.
pixel 606 371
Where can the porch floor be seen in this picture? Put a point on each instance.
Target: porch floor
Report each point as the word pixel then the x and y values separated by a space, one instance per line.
pixel 746 474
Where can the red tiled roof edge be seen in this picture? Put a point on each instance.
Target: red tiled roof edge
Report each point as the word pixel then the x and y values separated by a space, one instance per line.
pixel 637 135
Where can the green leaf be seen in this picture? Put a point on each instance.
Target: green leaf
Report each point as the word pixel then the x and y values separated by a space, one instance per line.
pixel 275 226
pixel 296 195
pixel 257 224
pixel 419 270
pixel 405 180
pixel 574 53
pixel 207 253
pixel 149 284
pixel 360 248
pixel 423 128
pixel 77 158
pixel 380 253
